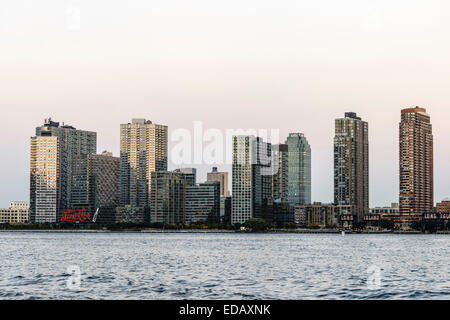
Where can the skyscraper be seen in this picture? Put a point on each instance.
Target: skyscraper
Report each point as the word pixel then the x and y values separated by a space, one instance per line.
pixel 351 164
pixel 96 184
pixel 73 146
pixel 143 150
pixel 103 173
pixel 221 177
pixel 44 179
pixel 299 169
pixel 280 172
pixel 416 165
pixel 252 177
pixel 168 197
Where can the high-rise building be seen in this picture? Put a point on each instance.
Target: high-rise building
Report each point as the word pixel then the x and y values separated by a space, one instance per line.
pixel 190 174
pixel 168 196
pixel 143 150
pixel 280 172
pixel 299 169
pixel 221 177
pixel 351 164
pixel 176 198
pixel 103 172
pixel 416 165
pixel 73 146
pixel 225 209
pixel 44 179
pixel 79 193
pixel 96 185
pixel 252 177
pixel 202 203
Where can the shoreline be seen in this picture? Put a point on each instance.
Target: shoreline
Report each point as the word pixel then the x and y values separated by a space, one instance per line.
pixel 212 231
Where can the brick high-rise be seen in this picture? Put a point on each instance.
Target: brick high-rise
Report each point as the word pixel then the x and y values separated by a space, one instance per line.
pixel 416 165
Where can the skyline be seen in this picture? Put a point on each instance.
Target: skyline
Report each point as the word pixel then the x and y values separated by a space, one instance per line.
pixel 207 168
pixel 176 63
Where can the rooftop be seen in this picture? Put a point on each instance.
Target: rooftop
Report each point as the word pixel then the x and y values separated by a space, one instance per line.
pixel 352 115
pixel 414 110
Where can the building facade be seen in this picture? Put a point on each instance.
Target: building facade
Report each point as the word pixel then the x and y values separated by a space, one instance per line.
pixel 282 213
pixel 73 146
pixel 188 173
pixel 16 213
pixel 103 178
pixel 225 209
pixel 300 215
pixel 202 203
pixel 221 177
pixel 299 169
pixel 416 165
pixel 252 177
pixel 443 206
pixel 351 164
pixel 143 150
pixel 96 185
pixel 168 196
pixel 44 179
pixel 323 214
pixel 386 213
pixel 280 172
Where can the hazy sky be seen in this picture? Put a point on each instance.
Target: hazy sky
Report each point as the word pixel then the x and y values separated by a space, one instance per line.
pixel 288 65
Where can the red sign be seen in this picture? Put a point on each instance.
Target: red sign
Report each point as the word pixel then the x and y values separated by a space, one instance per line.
pixel 75 215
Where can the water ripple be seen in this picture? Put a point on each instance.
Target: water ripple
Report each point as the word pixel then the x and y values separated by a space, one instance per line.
pixel 223 266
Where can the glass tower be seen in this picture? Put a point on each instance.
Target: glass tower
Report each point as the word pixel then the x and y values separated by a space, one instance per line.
pixel 299 169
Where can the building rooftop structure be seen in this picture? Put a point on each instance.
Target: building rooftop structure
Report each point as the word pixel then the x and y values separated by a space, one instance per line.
pixel 352 115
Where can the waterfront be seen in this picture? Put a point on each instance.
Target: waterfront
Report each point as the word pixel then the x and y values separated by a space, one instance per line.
pixel 34 265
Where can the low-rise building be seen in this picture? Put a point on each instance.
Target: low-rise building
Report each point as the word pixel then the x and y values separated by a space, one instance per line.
pixel 388 213
pixel 300 215
pixel 17 212
pixel 129 214
pixel 443 206
pixel 321 214
pixel 283 213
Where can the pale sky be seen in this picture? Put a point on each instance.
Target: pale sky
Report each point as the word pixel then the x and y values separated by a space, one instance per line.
pixel 288 65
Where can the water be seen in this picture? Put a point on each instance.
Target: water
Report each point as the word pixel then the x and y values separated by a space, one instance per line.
pixel 223 266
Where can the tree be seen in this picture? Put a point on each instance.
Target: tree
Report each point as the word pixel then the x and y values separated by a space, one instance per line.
pixel 387 224
pixel 291 225
pixel 257 225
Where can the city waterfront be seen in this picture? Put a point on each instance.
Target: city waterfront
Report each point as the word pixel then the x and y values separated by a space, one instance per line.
pixel 41 265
